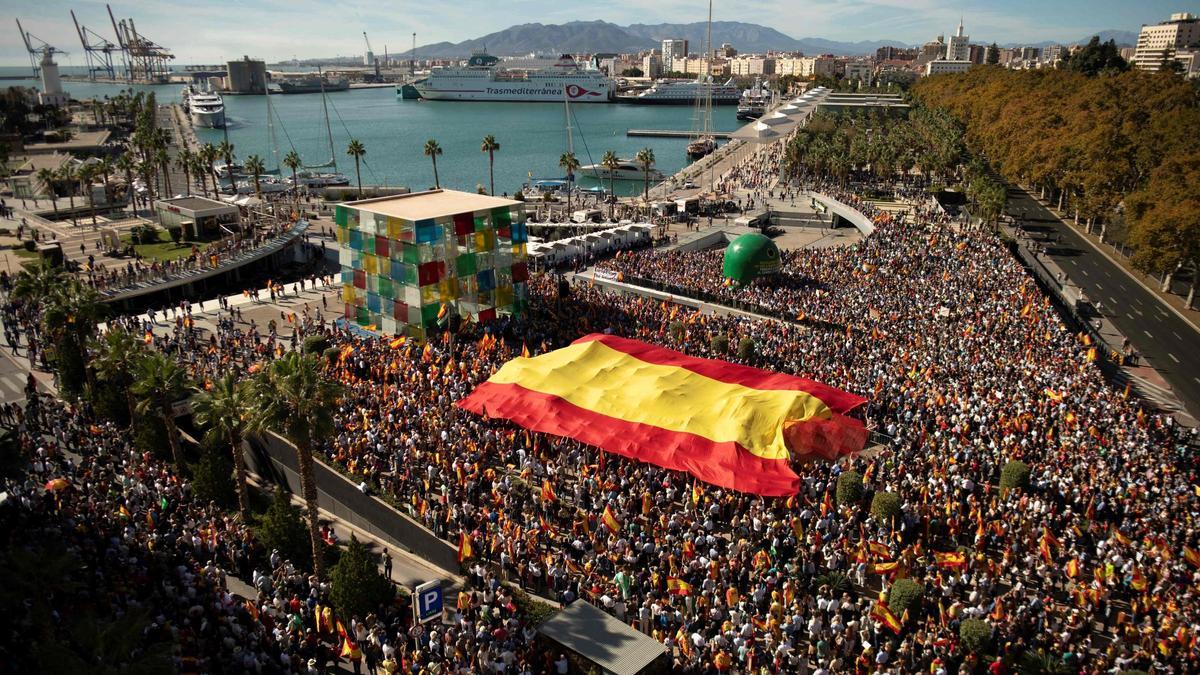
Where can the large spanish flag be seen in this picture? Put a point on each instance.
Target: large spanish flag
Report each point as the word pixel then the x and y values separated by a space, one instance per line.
pixel 726 424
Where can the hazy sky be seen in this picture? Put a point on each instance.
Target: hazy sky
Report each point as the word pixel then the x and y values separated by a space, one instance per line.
pixel 212 31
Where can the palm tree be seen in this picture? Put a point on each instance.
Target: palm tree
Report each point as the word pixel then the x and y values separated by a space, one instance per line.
pixel 49 179
pixel 645 157
pixel 69 316
pixel 490 146
pixel 104 168
pixel 162 162
pixel 158 383
pixel 292 161
pixel 294 398
pixel 432 150
pixel 69 175
pixel 225 149
pixel 35 283
pixel 254 165
pixel 611 162
pixel 209 154
pixel 126 164
pixel 115 357
pixel 86 174
pixel 198 168
pixel 225 411
pixel 357 151
pixel 183 162
pixel 569 163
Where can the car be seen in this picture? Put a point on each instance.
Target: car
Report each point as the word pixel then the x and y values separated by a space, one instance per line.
pixel 690 185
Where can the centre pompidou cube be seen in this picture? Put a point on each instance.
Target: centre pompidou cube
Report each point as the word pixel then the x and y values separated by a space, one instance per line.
pixel 405 257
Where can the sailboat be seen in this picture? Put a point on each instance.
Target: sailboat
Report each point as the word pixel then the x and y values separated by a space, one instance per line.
pixel 310 176
pixel 703 142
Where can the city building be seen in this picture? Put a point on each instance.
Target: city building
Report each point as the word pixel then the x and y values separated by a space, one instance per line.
pixel 412 261
pixel 959 47
pixel 694 65
pixel 673 48
pixel 1158 43
pixel 896 54
pixel 752 64
pixel 859 70
pixel 939 66
pixel 1052 54
pixel 652 65
pixel 197 217
pixel 977 54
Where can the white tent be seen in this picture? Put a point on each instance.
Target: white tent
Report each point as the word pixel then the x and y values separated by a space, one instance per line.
pixel 775 118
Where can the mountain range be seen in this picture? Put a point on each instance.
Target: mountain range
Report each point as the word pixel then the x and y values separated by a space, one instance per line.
pixel 593 37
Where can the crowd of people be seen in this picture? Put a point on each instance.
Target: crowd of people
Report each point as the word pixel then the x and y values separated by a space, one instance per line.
pixel 967 366
pixel 139 270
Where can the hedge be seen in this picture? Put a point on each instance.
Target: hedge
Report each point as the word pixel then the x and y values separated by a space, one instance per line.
pixel 849 488
pixel 1014 474
pixel 904 594
pixel 885 506
pixel 975 634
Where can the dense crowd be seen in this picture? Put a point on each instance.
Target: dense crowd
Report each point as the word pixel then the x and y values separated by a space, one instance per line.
pixel 965 364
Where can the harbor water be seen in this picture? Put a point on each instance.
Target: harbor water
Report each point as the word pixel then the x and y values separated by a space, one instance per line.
pixel 532 136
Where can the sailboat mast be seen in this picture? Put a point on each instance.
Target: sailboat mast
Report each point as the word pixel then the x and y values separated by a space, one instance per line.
pixel 328 131
pixel 708 78
pixel 271 130
pixel 567 112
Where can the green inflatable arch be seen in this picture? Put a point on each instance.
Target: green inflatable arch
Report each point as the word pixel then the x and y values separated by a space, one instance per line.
pixel 751 256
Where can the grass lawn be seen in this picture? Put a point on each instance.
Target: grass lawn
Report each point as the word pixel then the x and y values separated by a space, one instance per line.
pixel 164 249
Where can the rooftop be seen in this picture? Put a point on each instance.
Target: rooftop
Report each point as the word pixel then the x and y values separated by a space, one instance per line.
pixel 196 203
pixel 611 644
pixel 431 204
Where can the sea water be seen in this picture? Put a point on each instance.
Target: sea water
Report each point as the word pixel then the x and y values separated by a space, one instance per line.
pixel 532 136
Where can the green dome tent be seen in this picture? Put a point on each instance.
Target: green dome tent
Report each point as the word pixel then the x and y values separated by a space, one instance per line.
pixel 751 256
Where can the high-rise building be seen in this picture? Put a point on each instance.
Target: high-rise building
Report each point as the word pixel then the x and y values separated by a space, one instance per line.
pixel 1158 43
pixel 673 48
pixel 888 53
pixel 652 65
pixel 959 47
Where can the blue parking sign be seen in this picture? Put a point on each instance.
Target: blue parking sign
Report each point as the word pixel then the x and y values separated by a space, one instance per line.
pixel 427 604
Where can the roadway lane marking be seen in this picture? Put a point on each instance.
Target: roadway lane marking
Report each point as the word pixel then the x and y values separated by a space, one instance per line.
pixel 1197 379
pixel 1172 357
pixel 1176 335
pixel 1139 312
pixel 1148 334
pixel 1085 273
pixel 1099 287
pixel 1122 287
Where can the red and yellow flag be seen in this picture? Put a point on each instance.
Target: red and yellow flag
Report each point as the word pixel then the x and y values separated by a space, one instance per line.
pixel 465 550
pixel 610 521
pixel 398 342
pixel 950 559
pixel 726 424
pixel 678 586
pixel 1192 556
pixel 525 351
pixel 548 492
pixel 882 614
pixel 1073 568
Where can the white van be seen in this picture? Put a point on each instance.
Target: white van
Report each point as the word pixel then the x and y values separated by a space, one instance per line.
pixel 586 216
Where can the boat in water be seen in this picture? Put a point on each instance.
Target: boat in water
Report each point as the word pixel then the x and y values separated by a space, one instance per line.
pixel 312 84
pixel 683 92
pixel 319 179
pixel 754 102
pixel 206 109
pixel 626 169
pixel 701 147
pixel 482 79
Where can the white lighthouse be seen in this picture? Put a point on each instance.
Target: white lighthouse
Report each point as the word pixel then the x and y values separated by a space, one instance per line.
pixel 52 92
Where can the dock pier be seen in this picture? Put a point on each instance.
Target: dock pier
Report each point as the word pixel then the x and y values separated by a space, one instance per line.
pixel 674 133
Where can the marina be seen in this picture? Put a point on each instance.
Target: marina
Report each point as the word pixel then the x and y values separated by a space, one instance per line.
pixel 671 133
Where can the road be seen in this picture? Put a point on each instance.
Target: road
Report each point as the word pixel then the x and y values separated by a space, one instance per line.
pixel 1159 334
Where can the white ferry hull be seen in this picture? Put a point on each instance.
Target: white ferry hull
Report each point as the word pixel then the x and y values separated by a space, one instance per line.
pixel 214 119
pixel 515 92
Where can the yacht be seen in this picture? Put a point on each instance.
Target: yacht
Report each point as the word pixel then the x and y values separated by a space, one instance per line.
pixel 206 109
pixel 754 102
pixel 683 92
pixel 701 147
pixel 309 178
pixel 626 169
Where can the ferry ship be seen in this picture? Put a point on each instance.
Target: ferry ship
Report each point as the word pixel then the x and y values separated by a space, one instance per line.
pixel 312 84
pixel 626 169
pixel 205 109
pixel 482 80
pixel 683 92
pixel 754 103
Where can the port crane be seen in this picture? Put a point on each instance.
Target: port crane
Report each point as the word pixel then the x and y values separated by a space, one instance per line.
pixel 36 47
pixel 145 60
pixel 97 50
pixel 373 57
